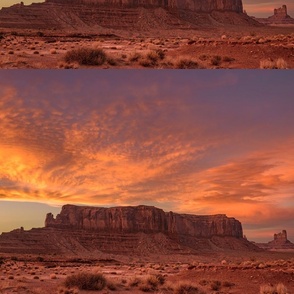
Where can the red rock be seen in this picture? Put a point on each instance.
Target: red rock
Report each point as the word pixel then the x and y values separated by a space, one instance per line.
pixel 147 219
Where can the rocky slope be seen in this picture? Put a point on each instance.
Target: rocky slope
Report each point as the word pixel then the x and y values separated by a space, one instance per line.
pixel 98 16
pixel 129 231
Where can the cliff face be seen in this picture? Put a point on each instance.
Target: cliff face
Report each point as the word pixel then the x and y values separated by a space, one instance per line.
pixel 193 5
pixel 145 219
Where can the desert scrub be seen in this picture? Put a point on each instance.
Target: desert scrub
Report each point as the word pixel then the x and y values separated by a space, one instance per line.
pixel 86 281
pixel 187 289
pixel 135 282
pixel 215 285
pixel 187 64
pixel 86 56
pixel 216 60
pixel 152 58
pixel 280 63
pixel 278 289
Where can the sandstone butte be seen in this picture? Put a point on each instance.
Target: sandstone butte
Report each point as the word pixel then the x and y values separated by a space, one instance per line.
pixel 193 5
pixel 147 219
pixel 139 231
pixel 98 16
pixel 280 16
pixel 280 242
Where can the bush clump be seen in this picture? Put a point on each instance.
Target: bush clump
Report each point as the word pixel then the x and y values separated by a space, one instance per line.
pixel 187 289
pixel 86 281
pixel 86 56
pixel 278 289
pixel 187 64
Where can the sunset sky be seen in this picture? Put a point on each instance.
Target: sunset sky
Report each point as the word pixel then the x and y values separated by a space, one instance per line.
pixel 201 142
pixel 260 8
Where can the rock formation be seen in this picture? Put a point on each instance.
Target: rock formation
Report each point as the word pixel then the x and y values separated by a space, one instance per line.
pixel 98 16
pixel 138 231
pixel 280 242
pixel 193 5
pixel 147 219
pixel 280 17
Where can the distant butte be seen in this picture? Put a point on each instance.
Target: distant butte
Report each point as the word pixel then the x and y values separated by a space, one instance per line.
pixel 280 242
pixel 280 17
pixel 129 230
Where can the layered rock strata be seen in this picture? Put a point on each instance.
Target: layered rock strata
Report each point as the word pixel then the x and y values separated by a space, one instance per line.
pixel 147 219
pixel 193 5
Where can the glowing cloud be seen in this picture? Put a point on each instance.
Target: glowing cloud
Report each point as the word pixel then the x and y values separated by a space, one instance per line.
pixel 191 142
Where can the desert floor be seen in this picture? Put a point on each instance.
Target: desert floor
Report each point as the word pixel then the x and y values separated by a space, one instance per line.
pixel 225 47
pixel 222 272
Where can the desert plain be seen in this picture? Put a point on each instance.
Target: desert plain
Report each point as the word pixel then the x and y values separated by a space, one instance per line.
pixel 227 47
pixel 221 272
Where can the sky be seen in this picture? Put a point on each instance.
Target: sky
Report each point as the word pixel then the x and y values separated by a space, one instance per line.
pixel 200 142
pixel 260 8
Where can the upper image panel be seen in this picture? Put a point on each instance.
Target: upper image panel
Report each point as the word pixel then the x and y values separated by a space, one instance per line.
pixel 184 34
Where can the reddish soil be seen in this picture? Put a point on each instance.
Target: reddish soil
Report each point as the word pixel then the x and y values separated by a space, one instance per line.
pixel 236 272
pixel 225 47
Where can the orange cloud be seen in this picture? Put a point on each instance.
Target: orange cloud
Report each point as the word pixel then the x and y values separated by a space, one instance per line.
pixel 193 147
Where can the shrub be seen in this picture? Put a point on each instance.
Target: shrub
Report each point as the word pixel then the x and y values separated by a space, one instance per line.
pixel 86 281
pixel 228 59
pixel 160 53
pixel 111 61
pixel 281 63
pixel 187 289
pixel 135 57
pixel 216 60
pixel 152 281
pixel 266 289
pixel 204 282
pixel 187 64
pixel 161 279
pixel 111 286
pixel 86 56
pixel 135 282
pixel 227 284
pixel 267 64
pixel 215 285
pixel 278 289
pixel 281 289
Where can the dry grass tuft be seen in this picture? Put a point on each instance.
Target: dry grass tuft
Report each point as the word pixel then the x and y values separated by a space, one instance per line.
pixel 86 281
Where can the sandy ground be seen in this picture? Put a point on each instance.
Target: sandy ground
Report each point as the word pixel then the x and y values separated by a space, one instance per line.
pixel 244 47
pixel 230 272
